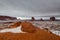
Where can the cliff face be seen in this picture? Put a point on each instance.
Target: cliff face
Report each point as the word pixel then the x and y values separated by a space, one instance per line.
pixel 7 18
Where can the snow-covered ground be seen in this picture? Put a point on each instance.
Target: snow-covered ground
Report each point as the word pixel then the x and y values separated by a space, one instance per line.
pixel 53 26
pixel 13 30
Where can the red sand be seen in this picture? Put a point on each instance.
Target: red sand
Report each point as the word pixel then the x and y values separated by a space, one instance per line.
pixel 37 35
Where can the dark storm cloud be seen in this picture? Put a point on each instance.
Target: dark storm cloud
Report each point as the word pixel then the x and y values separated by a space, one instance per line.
pixel 30 7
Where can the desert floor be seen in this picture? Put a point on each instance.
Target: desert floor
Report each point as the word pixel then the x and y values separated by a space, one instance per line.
pixel 38 35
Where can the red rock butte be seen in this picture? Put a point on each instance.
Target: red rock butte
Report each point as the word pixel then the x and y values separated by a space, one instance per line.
pixel 33 19
pixel 52 19
pixel 41 19
pixel 7 18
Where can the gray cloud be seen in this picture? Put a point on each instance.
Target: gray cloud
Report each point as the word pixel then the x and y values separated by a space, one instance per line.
pixel 30 7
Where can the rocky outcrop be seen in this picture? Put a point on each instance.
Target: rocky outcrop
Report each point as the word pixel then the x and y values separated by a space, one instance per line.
pixel 27 27
pixel 32 19
pixel 41 19
pixel 16 24
pixel 52 19
pixel 7 18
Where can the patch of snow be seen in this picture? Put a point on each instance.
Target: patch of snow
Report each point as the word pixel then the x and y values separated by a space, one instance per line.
pixel 13 30
pixel 55 32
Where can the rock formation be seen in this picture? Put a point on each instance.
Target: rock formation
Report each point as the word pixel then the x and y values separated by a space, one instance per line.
pixel 28 27
pixel 41 19
pixel 52 19
pixel 16 24
pixel 7 18
pixel 33 19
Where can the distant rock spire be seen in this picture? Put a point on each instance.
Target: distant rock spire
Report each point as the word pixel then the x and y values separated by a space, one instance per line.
pixel 33 18
pixel 52 19
pixel 41 19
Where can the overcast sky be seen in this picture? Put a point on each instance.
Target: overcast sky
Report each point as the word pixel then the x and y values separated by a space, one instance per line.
pixel 30 7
